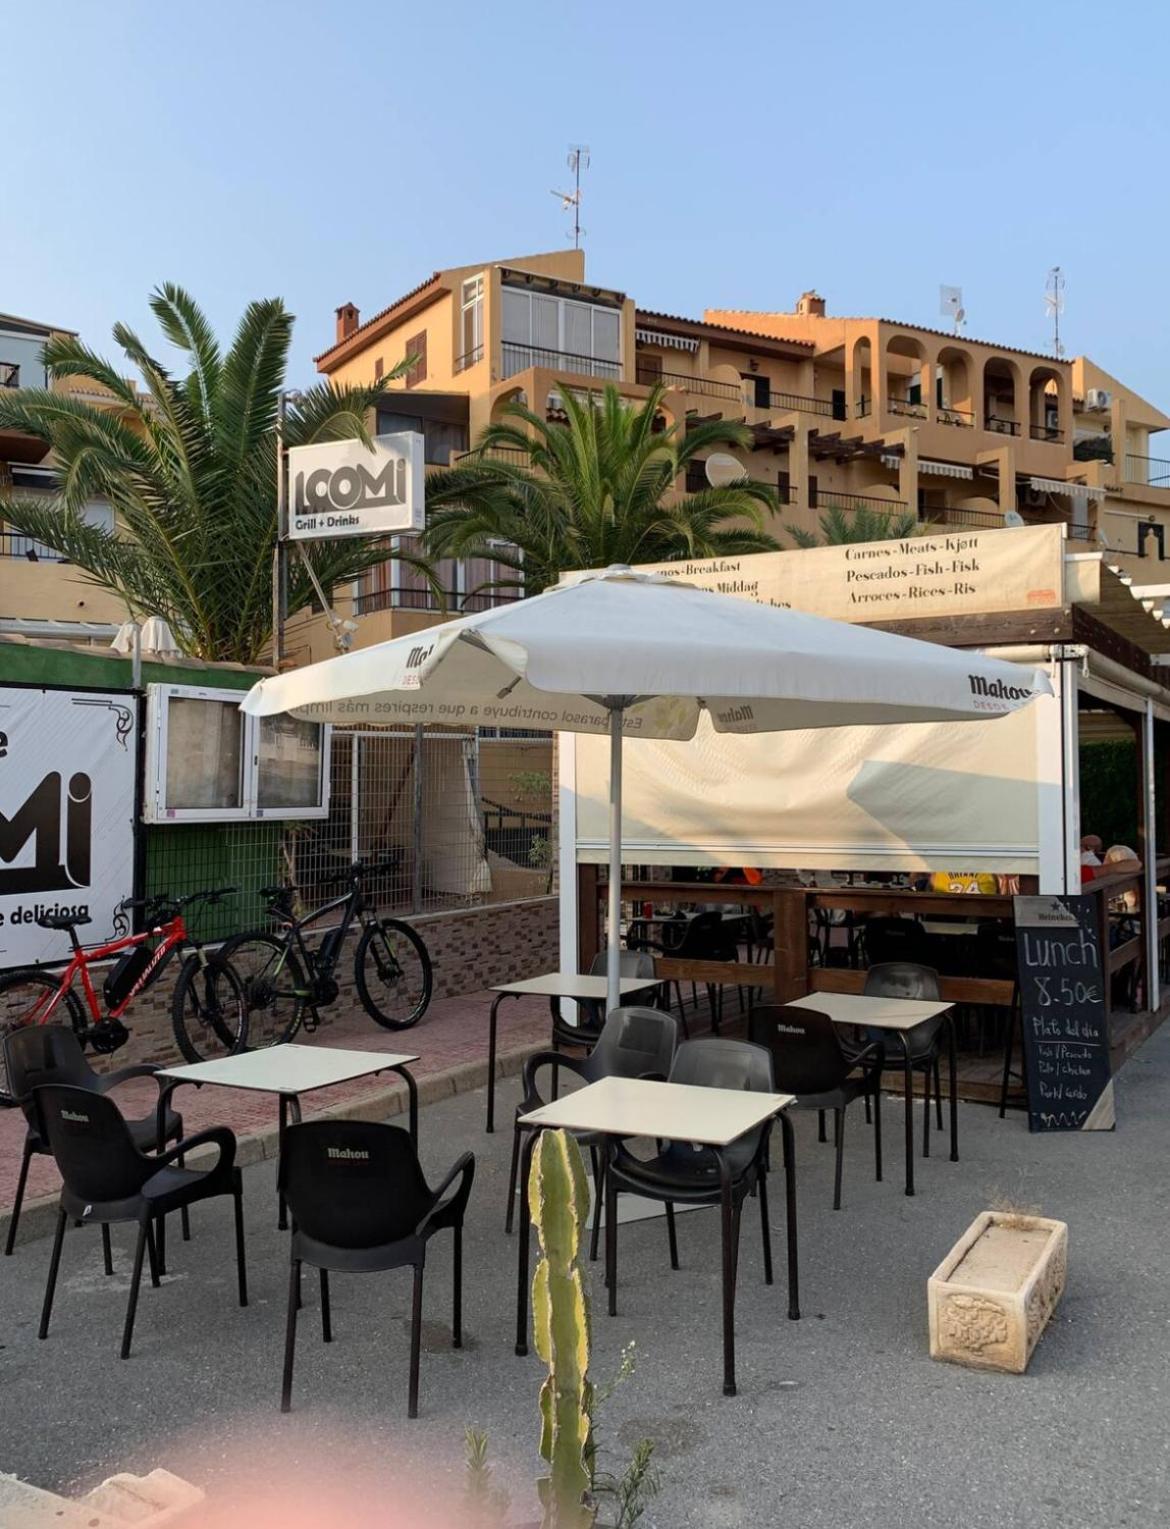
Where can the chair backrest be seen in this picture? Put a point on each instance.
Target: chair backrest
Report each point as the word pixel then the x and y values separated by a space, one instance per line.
pixel 704 938
pixel 806 1053
pixel 901 979
pixel 91 1144
pixel 39 1054
pixel 353 1183
pixel 634 1041
pixel 895 939
pixel 713 1062
pixel 631 963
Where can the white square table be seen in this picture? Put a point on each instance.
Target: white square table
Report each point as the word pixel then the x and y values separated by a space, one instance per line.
pixel 553 986
pixel 289 1071
pixel 899 1016
pixel 632 1107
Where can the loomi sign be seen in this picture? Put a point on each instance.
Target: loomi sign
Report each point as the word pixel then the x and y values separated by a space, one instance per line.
pixel 67 787
pixel 344 488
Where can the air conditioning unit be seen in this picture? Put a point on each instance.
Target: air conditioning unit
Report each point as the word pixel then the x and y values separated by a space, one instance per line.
pixel 1097 398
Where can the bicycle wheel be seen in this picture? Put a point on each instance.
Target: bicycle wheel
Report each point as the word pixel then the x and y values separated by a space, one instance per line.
pixel 275 990
pixel 24 1000
pixel 208 1011
pixel 392 973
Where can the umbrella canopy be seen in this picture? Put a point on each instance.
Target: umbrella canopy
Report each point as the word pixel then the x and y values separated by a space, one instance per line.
pixel 641 655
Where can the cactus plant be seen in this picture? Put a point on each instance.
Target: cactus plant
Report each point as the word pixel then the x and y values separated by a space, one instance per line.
pixel 558 1194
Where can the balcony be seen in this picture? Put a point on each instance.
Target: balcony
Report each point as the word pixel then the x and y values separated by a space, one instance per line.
pixel 651 377
pixel 1147 472
pixel 963 419
pixel 468 358
pixel 1047 433
pixel 12 545
pixel 456 604
pixel 511 454
pixel 942 516
pixel 912 408
pixel 520 358
pixel 827 498
pixel 998 424
pixel 801 405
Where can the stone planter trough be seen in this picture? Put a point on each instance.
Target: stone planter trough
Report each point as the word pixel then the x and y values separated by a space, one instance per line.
pixel 992 1295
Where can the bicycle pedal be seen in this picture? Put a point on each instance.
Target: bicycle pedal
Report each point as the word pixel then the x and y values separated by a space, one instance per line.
pixel 107 1036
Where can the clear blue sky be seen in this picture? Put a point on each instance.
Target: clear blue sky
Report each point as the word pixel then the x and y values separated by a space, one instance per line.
pixel 741 152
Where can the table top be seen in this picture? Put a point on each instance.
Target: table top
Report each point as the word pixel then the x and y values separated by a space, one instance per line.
pixel 880 1013
pixel 573 985
pixel 713 1117
pixel 288 1069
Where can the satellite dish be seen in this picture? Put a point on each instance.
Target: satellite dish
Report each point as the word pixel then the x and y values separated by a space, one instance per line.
pixel 723 469
pixel 1014 518
pixel 950 305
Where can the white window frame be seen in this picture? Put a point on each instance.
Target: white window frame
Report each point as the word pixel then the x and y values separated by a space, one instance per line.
pixel 471 300
pixel 156 809
pixel 563 304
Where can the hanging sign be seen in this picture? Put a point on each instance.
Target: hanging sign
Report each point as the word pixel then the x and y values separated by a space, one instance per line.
pixel 344 488
pixel 1062 979
pixel 67 779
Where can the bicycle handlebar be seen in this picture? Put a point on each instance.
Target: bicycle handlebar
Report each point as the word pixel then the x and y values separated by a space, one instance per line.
pixel 163 905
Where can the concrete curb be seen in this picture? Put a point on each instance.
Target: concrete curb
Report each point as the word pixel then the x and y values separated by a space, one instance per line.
pixel 37 1217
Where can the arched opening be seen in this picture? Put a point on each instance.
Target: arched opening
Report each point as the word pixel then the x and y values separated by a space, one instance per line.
pixel 908 378
pixel 954 399
pixel 1045 387
pixel 1002 401
pixel 861 380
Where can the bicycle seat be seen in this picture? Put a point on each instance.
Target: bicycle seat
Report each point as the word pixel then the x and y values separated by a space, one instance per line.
pixel 63 920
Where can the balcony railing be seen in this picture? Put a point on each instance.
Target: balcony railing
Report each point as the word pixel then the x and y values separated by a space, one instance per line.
pixel 1149 472
pixel 468 358
pixel 944 516
pixel 12 545
pixel 912 408
pixel 709 387
pixel 963 418
pixel 1047 433
pixel 425 600
pixel 9 374
pixel 800 404
pixel 492 454
pixel 518 358
pixel 864 407
pixel 827 498
pixel 998 425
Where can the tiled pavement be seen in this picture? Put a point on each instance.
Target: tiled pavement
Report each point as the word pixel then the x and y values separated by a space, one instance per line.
pixel 451 1041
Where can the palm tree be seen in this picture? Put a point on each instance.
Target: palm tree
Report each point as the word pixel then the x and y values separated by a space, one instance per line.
pixel 592 491
pixel 838 526
pixel 189 468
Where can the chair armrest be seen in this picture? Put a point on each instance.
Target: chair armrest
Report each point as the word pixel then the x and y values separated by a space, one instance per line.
pixel 652 1077
pixel 463 1169
pixel 124 1074
pixel 539 1059
pixel 221 1136
pixel 873 1055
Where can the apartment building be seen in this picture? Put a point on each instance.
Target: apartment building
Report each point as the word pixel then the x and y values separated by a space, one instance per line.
pixel 40 594
pixel 857 413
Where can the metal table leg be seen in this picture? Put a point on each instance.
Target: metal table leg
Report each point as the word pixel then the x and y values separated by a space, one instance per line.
pixel 789 1139
pixel 522 1241
pixel 491 1087
pixel 727 1233
pixel 952 1062
pixel 909 1115
pixel 412 1104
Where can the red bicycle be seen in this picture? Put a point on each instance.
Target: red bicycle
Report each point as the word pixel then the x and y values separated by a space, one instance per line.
pixel 209 997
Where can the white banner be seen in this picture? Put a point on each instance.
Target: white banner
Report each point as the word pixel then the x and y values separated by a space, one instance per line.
pixel 344 488
pixel 67 767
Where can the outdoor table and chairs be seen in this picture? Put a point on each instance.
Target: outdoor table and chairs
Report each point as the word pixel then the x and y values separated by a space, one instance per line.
pixel 898 1017
pixel 714 1119
pixel 289 1071
pixel 553 986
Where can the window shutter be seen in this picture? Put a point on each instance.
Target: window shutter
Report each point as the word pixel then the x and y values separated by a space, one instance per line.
pixel 417 347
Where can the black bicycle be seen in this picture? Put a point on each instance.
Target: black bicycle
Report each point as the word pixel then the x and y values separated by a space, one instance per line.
pixel 286 982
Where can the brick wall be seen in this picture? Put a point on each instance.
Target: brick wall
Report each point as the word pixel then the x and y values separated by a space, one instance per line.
pixel 470 949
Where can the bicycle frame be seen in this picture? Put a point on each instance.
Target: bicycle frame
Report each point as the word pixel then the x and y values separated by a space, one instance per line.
pixel 355 907
pixel 174 934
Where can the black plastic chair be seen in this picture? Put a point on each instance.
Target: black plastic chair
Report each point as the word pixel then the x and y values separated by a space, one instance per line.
pixel 360 1204
pixel 890 939
pixel 682 1173
pixel 36 1055
pixel 808 1061
pixel 631 963
pixel 635 1043
pixel 108 1178
pixel 702 938
pixel 921 1046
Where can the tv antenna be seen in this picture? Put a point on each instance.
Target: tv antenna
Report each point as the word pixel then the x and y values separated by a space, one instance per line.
pixel 950 305
pixel 578 160
pixel 1054 303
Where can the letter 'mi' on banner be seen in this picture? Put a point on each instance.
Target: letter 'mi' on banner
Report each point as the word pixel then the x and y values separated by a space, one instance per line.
pixel 345 488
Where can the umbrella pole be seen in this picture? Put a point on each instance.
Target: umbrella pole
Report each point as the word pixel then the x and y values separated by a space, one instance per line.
pixel 613 963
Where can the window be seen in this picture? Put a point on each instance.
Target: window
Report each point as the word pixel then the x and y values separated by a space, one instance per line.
pixel 379 369
pixel 418 349
pixel 539 330
pixel 470 324
pixel 440 437
pixel 207 762
pixel 757 390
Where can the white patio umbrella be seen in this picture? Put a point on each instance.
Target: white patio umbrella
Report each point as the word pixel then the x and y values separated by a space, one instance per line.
pixel 641 655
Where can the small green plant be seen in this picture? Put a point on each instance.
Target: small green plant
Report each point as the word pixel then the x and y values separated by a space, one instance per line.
pixel 531 785
pixel 540 852
pixel 839 526
pixel 486 1504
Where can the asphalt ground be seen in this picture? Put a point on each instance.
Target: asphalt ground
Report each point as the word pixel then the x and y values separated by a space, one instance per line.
pixel 841 1419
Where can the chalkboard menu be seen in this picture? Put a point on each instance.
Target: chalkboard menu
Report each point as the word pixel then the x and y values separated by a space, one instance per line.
pixel 1062 1002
